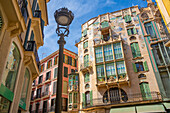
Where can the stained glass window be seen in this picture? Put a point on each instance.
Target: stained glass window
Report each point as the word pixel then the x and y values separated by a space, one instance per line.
pixel 99 54
pixel 100 73
pixel 110 70
pixel 108 54
pixel 117 50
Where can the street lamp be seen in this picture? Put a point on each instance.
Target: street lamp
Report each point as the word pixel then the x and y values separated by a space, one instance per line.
pixel 63 17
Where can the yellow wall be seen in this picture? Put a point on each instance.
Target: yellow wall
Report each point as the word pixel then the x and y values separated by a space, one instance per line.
pixel 167 5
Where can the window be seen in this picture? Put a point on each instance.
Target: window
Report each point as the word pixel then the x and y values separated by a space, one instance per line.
pixel 65 71
pixel 52 102
pixel 86 60
pixel 108 54
pixel 66 59
pixel 128 18
pixel 63 58
pixel 32 95
pixel 85 45
pixel 149 30
pixel 87 96
pixel 49 64
pixel 55 60
pixel 1 23
pixel 110 70
pixel 40 79
pixel 75 63
pixel 121 69
pixel 132 31
pixel 48 74
pixel 70 82
pixel 140 66
pixel 11 68
pixel 99 54
pixel 145 90
pixel 142 76
pixel 55 72
pixel 87 86
pixel 106 36
pixel 41 69
pixel 34 83
pixel 72 70
pixel 132 38
pixel 75 97
pixel 100 73
pixel 117 50
pixel 86 77
pixel 85 33
pixel 70 97
pixel 38 93
pixel 25 86
pixel 104 24
pixel 135 50
pixel 69 60
pixel 46 89
pixel 5 105
pixel 65 89
pixel 54 87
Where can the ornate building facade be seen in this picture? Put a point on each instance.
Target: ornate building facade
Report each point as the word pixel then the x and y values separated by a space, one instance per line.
pixel 21 34
pixel 44 87
pixel 118 63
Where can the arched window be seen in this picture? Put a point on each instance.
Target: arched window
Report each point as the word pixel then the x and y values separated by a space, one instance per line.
pixel 132 38
pixel 87 98
pixel 104 24
pixel 25 86
pixel 144 16
pixel 114 95
pixel 12 66
pixel 142 76
pixel 87 86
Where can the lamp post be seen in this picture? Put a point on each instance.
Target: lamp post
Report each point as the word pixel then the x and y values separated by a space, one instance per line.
pixel 63 17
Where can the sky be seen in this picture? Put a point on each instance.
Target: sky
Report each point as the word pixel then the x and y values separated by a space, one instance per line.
pixel 83 11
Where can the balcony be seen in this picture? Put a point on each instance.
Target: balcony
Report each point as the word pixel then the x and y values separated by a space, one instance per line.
pixel 86 66
pixel 38 27
pixel 31 46
pixel 157 40
pixel 73 107
pixel 45 94
pixel 110 39
pixel 23 8
pixel 124 100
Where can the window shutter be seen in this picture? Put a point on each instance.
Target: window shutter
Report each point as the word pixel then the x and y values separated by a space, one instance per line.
pixel 134 31
pixel 133 50
pixel 1 22
pixel 134 67
pixel 51 63
pixel 91 98
pixel 83 97
pixel 142 90
pixel 138 54
pixel 145 66
pixel 147 91
pixel 129 32
pixel 54 60
pixel 55 72
pixel 126 18
pixel 129 18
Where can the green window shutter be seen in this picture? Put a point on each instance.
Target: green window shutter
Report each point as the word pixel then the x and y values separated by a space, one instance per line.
pixel 83 97
pixel 146 94
pixel 129 18
pixel 91 98
pixel 138 54
pixel 129 32
pixel 142 90
pixel 134 31
pixel 134 67
pixel 133 50
pixel 126 18
pixel 85 32
pixel 145 66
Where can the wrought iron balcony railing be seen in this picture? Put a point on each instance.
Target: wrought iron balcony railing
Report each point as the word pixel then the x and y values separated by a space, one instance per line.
pixel 23 7
pixel 31 46
pixel 130 98
pixel 45 93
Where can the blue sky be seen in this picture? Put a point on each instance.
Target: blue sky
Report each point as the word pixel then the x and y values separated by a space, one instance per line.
pixel 83 11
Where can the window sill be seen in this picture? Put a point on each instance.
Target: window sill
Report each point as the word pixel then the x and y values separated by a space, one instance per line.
pixel 137 58
pixel 133 34
pixel 139 72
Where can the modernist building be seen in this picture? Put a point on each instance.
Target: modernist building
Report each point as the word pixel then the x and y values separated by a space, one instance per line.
pixel 21 34
pixel 164 7
pixel 44 87
pixel 123 64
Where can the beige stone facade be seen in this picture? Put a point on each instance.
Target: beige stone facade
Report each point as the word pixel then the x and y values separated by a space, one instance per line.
pixel 21 34
pixel 114 62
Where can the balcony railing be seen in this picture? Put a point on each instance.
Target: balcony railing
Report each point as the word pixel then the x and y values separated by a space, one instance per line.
pixel 86 65
pixel 45 93
pixel 23 7
pixel 131 98
pixel 44 110
pixel 31 46
pixel 156 40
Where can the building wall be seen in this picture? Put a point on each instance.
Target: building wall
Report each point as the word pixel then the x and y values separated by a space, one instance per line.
pixel 13 28
pixel 51 81
pixel 118 29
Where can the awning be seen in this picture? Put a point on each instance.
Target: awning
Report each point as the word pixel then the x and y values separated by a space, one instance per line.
pixel 123 110
pixel 167 105
pixel 150 108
